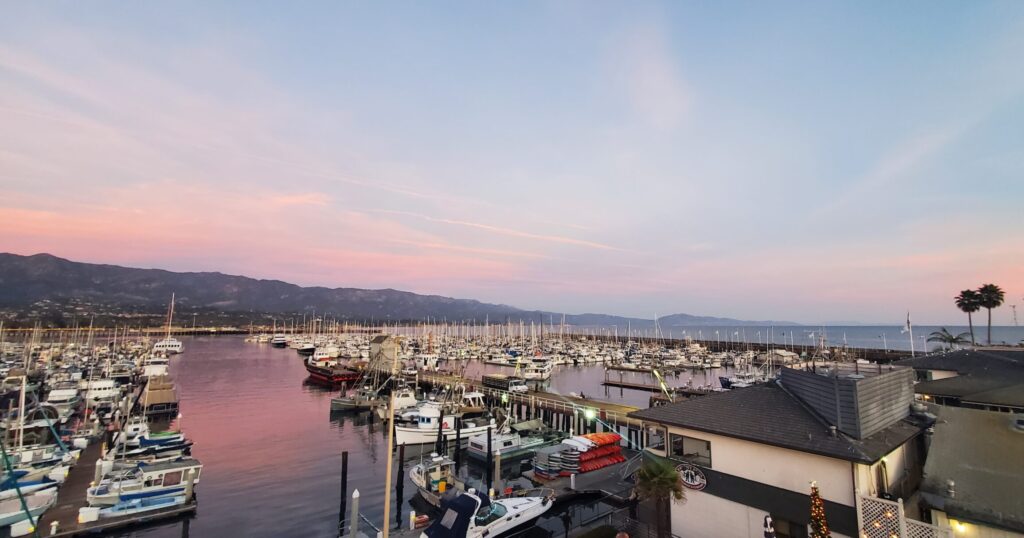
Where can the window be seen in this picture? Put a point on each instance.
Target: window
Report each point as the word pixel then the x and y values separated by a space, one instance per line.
pixel 487 514
pixel 691 449
pixel 172 479
pixel 655 438
pixel 788 529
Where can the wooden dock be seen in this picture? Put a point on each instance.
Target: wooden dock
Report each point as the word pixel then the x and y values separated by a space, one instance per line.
pixel 72 496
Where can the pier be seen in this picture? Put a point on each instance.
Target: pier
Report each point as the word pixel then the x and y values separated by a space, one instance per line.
pixel 569 414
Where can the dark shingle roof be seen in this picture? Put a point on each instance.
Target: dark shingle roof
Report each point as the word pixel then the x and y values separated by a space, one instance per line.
pixel 971 361
pixel 1010 395
pixel 980 452
pixel 959 386
pixel 770 415
pixel 989 376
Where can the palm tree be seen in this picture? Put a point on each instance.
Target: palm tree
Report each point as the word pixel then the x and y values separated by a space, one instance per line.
pixel 945 337
pixel 969 302
pixel 658 481
pixel 991 296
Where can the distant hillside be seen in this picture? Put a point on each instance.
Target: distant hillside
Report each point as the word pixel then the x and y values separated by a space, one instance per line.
pixel 27 280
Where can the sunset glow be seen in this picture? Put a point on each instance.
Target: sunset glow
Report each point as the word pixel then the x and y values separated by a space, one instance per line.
pixel 633 160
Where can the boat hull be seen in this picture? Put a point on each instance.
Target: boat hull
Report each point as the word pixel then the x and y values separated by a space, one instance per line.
pixel 422 436
pixel 329 376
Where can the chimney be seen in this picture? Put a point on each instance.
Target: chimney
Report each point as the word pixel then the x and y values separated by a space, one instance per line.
pixel 832 431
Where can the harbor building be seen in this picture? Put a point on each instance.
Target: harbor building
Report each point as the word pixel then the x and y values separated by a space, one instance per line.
pixel 974 474
pixel 751 454
pixel 987 378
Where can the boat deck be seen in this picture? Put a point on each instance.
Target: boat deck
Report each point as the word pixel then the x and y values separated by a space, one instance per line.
pixel 72 496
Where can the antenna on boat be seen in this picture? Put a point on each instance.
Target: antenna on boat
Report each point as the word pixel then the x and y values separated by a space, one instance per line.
pixel 390 451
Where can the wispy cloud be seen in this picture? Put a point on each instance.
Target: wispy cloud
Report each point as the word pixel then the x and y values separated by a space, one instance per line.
pixel 649 72
pixel 504 231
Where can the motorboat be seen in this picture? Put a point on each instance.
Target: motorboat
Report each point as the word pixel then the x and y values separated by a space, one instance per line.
pixel 511 444
pixel 430 420
pixel 12 511
pixel 329 372
pixel 404 398
pixel 65 400
pixel 168 345
pixel 472 515
pixel 435 477
pixel 279 340
pixel 138 506
pixel 164 479
pixel 363 398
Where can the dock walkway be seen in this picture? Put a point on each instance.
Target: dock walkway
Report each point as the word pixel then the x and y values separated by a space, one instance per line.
pixel 72 497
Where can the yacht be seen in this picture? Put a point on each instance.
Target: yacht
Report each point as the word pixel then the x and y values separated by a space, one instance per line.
pixel 430 419
pixel 168 345
pixel 538 370
pixel 473 515
pixel 65 400
pixel 279 340
pixel 101 390
pixel 143 481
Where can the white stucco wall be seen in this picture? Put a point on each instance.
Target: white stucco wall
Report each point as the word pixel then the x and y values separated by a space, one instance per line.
pixel 705 516
pixel 779 467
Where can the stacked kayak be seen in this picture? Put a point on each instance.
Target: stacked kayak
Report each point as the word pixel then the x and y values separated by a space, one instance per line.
pixel 579 454
pixel 547 462
pixel 606 452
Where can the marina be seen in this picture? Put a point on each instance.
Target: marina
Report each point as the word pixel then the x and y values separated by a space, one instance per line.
pixel 501 431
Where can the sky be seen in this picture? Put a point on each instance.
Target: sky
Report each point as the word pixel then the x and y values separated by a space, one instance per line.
pixel 787 160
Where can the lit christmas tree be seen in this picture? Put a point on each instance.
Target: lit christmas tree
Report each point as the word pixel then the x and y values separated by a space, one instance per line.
pixel 819 527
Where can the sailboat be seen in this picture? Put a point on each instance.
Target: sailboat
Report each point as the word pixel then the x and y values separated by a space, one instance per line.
pixel 169 344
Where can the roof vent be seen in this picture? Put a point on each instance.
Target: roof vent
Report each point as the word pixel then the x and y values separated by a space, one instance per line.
pixel 832 431
pixel 1017 423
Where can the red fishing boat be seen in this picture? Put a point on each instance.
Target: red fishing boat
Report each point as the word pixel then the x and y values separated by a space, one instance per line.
pixel 328 372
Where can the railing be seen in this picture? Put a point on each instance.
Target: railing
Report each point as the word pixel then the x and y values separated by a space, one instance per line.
pixel 879 518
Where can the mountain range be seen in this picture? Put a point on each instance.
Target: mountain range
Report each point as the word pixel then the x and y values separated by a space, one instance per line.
pixel 28 280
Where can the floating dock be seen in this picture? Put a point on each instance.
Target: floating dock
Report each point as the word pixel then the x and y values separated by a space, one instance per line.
pixel 72 497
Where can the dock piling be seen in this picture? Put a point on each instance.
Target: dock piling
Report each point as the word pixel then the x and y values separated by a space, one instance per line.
pixel 490 461
pixel 458 445
pixel 344 491
pixel 399 485
pixel 354 524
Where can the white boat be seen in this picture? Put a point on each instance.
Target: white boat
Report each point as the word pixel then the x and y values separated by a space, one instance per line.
pixel 101 390
pixel 138 506
pixel 429 420
pixel 155 366
pixel 168 345
pixel 163 479
pixel 511 445
pixel 279 340
pixel 470 515
pixel 12 512
pixel 435 477
pixel 538 370
pixel 65 400
pixel 405 399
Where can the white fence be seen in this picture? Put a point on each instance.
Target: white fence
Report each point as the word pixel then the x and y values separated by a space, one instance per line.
pixel 879 518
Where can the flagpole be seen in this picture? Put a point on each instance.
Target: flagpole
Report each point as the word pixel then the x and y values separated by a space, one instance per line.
pixel 910 328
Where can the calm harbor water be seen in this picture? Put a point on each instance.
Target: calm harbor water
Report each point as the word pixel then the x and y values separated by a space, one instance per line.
pixel 271 449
